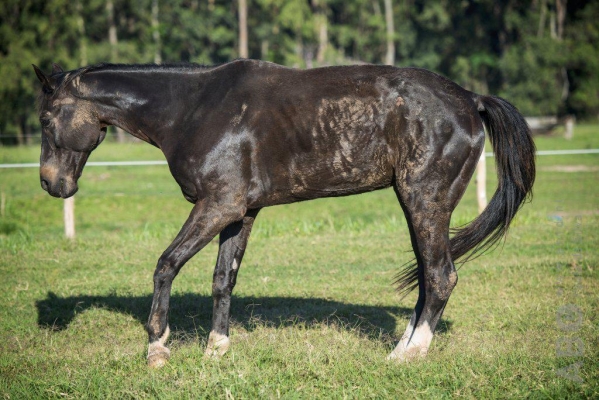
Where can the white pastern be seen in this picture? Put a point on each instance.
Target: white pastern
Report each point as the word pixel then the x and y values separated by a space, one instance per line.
pixel 158 353
pixel 415 346
pixel 217 344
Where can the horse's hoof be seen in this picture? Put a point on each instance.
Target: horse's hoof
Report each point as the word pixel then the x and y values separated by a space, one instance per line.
pixel 158 355
pixel 217 345
pixel 406 355
pixel 157 361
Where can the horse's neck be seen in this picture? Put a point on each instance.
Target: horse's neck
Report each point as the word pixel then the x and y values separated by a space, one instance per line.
pixel 129 101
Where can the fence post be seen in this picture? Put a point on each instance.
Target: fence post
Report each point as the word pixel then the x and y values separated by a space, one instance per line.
pixel 69 217
pixel 481 182
pixel 569 124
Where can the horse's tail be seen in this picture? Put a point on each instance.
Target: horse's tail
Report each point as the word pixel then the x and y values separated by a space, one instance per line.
pixel 515 162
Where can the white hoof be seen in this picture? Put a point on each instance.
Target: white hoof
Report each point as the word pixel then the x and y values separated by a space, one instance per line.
pixel 413 345
pixel 217 345
pixel 407 355
pixel 158 353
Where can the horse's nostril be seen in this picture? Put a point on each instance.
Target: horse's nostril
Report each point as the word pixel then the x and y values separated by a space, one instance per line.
pixel 45 184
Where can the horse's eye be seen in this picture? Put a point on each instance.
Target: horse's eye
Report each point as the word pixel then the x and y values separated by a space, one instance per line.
pixel 45 122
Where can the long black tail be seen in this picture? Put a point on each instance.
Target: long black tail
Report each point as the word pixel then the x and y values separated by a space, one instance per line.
pixel 515 162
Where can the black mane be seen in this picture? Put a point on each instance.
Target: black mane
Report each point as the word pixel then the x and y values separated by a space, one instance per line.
pixel 150 67
pixel 64 78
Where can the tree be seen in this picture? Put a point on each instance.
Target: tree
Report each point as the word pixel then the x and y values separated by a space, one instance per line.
pixel 581 36
pixel 540 54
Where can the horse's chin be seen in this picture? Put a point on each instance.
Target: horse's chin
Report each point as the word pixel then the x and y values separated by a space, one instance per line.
pixel 69 193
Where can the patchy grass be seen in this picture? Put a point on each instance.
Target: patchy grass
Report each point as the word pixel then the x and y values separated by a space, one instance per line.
pixel 314 311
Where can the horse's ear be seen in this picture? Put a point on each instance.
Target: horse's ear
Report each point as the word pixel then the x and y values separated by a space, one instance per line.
pixel 46 85
pixel 56 69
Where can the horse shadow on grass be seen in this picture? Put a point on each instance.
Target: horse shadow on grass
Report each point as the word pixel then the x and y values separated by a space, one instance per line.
pixel 190 314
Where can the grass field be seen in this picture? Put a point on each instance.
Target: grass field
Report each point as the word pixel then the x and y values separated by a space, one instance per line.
pixel 314 310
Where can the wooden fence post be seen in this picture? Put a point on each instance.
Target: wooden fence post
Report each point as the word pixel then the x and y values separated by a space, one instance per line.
pixel 69 217
pixel 569 125
pixel 481 182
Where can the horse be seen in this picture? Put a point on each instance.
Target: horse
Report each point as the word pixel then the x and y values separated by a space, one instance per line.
pixel 248 134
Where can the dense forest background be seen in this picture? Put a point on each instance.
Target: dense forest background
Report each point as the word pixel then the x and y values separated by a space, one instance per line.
pixel 542 55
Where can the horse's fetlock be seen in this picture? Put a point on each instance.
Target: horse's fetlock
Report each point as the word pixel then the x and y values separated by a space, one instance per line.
pixel 221 290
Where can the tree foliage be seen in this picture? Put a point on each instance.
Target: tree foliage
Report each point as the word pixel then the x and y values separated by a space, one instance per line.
pixel 520 49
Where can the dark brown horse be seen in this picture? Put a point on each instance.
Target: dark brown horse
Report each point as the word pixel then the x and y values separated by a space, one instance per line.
pixel 251 134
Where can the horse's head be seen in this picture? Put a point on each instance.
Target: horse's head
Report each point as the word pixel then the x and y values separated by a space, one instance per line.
pixel 71 129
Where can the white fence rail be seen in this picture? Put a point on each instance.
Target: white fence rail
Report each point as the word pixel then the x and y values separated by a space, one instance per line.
pixel 69 204
pixel 160 162
pixel 93 164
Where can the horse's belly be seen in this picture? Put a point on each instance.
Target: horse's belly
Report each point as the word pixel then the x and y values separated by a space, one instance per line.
pixel 338 172
pixel 341 173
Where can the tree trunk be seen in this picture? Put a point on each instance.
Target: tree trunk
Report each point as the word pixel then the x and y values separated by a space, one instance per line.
pixel 309 56
pixel 264 49
pixel 27 132
pixel 82 39
pixel 156 33
pixel 243 29
pixel 21 132
pixel 560 8
pixel 323 38
pixel 112 36
pixel 542 18
pixel 390 56
pixel 552 25
pixel 299 49
pixel 321 22
pixel 114 42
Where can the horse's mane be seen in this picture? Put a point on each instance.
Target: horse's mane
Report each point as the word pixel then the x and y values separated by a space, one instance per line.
pixel 69 76
pixel 66 77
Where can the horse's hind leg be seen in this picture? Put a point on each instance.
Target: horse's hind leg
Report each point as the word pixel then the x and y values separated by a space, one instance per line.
pixel 436 276
pixel 232 244
pixel 428 194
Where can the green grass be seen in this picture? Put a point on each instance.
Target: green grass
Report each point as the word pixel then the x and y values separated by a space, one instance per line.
pixel 314 311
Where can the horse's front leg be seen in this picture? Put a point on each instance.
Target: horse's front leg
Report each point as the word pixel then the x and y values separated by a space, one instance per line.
pixel 233 241
pixel 205 221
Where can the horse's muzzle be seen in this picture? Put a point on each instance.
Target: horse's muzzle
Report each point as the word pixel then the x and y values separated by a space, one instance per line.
pixel 62 187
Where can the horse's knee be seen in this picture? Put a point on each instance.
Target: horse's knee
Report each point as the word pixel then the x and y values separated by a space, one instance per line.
pixel 165 271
